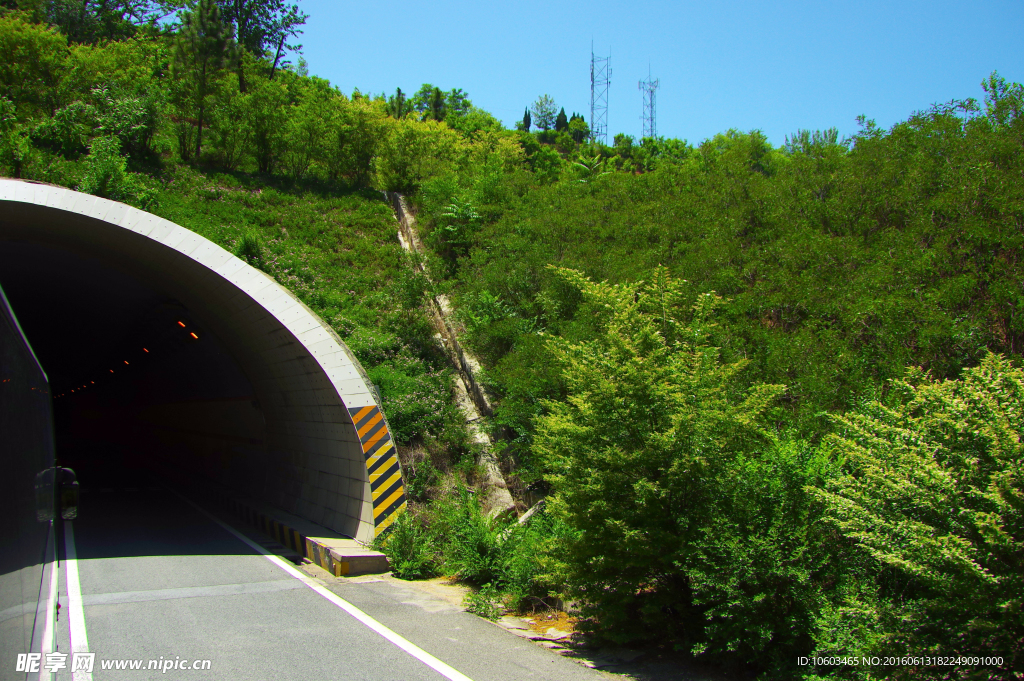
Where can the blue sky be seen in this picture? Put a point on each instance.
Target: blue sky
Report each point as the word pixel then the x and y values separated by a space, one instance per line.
pixel 776 67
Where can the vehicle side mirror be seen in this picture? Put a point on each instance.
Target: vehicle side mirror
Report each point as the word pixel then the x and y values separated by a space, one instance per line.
pixel 68 492
pixel 44 495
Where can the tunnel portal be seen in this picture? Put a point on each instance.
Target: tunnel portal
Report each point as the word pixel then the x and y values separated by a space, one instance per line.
pixel 166 353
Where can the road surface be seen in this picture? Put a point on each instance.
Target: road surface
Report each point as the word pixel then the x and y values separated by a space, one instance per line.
pixel 164 585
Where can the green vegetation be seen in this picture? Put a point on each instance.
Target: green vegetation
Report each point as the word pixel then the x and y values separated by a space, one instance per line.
pixel 505 559
pixel 932 491
pixel 836 265
pixel 277 175
pixel 700 352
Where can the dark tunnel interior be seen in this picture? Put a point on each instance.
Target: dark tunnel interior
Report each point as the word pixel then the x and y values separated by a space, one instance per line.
pixel 141 387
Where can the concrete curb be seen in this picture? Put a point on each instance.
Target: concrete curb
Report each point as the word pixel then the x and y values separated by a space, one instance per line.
pixel 341 556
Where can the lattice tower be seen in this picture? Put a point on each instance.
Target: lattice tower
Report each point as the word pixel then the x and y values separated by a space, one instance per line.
pixel 649 89
pixel 600 80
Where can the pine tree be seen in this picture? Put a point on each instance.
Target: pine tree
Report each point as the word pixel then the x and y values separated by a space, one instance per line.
pixel 561 121
pixel 398 104
pixel 437 105
pixel 526 120
pixel 204 47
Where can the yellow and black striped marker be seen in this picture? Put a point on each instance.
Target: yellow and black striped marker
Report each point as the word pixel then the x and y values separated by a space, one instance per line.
pixel 382 465
pixel 283 534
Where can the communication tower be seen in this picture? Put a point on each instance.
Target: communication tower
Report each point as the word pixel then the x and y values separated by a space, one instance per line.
pixel 649 89
pixel 600 79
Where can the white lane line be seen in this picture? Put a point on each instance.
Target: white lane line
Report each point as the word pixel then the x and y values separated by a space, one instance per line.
pixel 191 592
pixel 51 609
pixel 76 611
pixel 406 645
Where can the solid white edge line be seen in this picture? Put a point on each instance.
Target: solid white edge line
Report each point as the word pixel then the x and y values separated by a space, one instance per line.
pixel 406 645
pixel 76 609
pixel 48 628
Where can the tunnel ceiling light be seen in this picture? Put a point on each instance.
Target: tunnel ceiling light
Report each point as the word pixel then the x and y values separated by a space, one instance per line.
pixel 93 382
pixel 111 371
pixel 145 350
pixel 181 324
pixel 193 334
pixel 126 361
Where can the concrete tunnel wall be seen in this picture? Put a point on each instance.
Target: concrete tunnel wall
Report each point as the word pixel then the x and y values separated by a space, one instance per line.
pixel 328 454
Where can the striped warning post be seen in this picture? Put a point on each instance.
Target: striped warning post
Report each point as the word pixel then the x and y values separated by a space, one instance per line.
pixel 381 464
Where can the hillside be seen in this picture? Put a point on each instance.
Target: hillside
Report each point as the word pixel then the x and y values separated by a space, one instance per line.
pixel 770 396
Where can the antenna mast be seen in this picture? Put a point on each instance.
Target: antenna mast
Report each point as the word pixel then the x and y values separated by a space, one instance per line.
pixel 600 79
pixel 649 89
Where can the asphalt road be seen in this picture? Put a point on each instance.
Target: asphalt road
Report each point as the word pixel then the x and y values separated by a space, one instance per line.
pixel 160 581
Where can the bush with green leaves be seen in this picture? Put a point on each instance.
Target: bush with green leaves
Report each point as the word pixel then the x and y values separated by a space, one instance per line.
pixel 14 142
pixel 686 519
pixel 409 547
pixel 250 249
pixel 931 494
pixel 485 602
pixel 107 175
pixel 506 560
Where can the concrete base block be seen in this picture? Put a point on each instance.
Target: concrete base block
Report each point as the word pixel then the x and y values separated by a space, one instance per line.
pixel 350 558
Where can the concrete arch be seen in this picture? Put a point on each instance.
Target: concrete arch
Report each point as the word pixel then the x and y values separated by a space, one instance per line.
pixel 314 429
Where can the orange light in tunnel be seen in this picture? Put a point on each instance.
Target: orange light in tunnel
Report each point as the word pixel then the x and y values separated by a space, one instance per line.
pixel 145 350
pixel 194 335
pixel 181 324
pixel 111 371
pixel 126 361
pixel 93 382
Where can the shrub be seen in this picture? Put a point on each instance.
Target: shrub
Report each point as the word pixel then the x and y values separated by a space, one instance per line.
pixel 505 560
pixel 683 517
pixel 932 493
pixel 409 548
pixel 250 249
pixel 485 602
pixel 106 174
pixel 14 146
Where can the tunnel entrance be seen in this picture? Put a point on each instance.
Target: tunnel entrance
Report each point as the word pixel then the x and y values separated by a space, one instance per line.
pixel 138 385
pixel 166 353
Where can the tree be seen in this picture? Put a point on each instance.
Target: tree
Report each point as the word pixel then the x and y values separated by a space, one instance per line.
pixel 642 451
pixel 457 102
pixel 932 493
pixel 306 135
pixel 89 21
pixel 525 124
pixel 204 47
pixel 254 22
pixel 14 146
pixel 437 105
pixel 285 25
pixel 420 101
pixel 33 59
pixel 544 112
pixel 398 105
pixel 357 139
pixel 433 103
pixel 578 129
pixel 266 117
pixel 561 121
